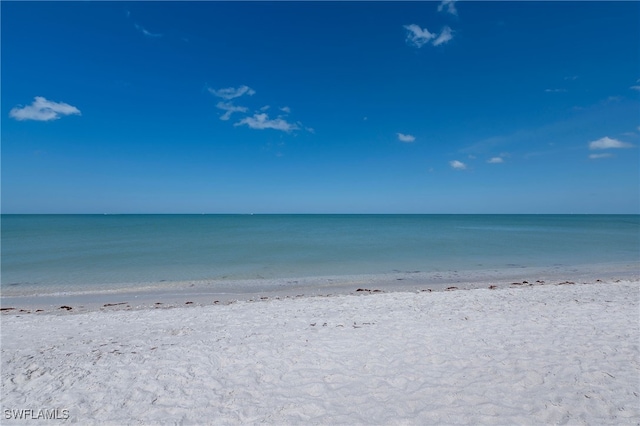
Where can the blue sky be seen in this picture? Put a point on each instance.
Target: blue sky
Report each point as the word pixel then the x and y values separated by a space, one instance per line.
pixel 320 107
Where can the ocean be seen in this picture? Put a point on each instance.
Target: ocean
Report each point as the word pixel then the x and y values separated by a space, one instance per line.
pixel 44 254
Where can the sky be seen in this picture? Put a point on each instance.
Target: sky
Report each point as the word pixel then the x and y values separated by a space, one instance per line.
pixel 320 107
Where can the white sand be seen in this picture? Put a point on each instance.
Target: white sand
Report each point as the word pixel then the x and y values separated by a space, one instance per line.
pixel 551 354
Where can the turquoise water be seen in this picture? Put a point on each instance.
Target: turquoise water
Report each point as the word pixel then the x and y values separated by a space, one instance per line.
pixel 75 252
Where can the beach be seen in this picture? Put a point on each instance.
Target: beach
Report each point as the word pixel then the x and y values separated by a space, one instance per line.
pixel 320 213
pixel 556 352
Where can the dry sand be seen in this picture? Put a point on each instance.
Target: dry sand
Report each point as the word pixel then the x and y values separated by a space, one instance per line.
pixel 541 354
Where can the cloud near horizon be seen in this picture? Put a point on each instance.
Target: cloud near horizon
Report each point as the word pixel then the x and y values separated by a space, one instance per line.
pixel 597 156
pixel 608 143
pixel 406 138
pixel 457 165
pixel 43 110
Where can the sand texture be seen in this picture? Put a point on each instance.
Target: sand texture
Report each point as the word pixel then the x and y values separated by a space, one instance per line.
pixel 542 354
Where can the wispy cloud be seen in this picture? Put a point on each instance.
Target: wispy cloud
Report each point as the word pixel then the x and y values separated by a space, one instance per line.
pixel 457 165
pixel 555 90
pixel 145 32
pixel 499 159
pixel 448 6
pixel 635 88
pixel 406 138
pixel 418 37
pixel 43 110
pixel 231 92
pixel 608 143
pixel 140 28
pixel 262 121
pixel 229 109
pixel 598 156
pixel 444 36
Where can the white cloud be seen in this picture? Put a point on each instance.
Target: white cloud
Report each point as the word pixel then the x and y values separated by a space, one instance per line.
pixel 596 156
pixel 555 90
pixel 498 159
pixel 418 36
pixel 444 36
pixel 145 32
pixel 458 165
pixel 634 87
pixel 608 143
pixel 406 138
pixel 141 28
pixel 450 5
pixel 231 93
pixel 43 110
pixel 229 109
pixel 262 121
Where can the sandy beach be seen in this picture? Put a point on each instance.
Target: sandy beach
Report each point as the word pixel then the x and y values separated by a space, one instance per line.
pixel 553 353
pixel 332 213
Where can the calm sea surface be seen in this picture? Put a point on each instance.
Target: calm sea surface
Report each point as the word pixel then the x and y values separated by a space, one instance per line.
pixel 75 252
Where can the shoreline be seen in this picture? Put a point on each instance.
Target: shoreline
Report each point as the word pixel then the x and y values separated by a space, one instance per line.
pixel 519 354
pixel 209 292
